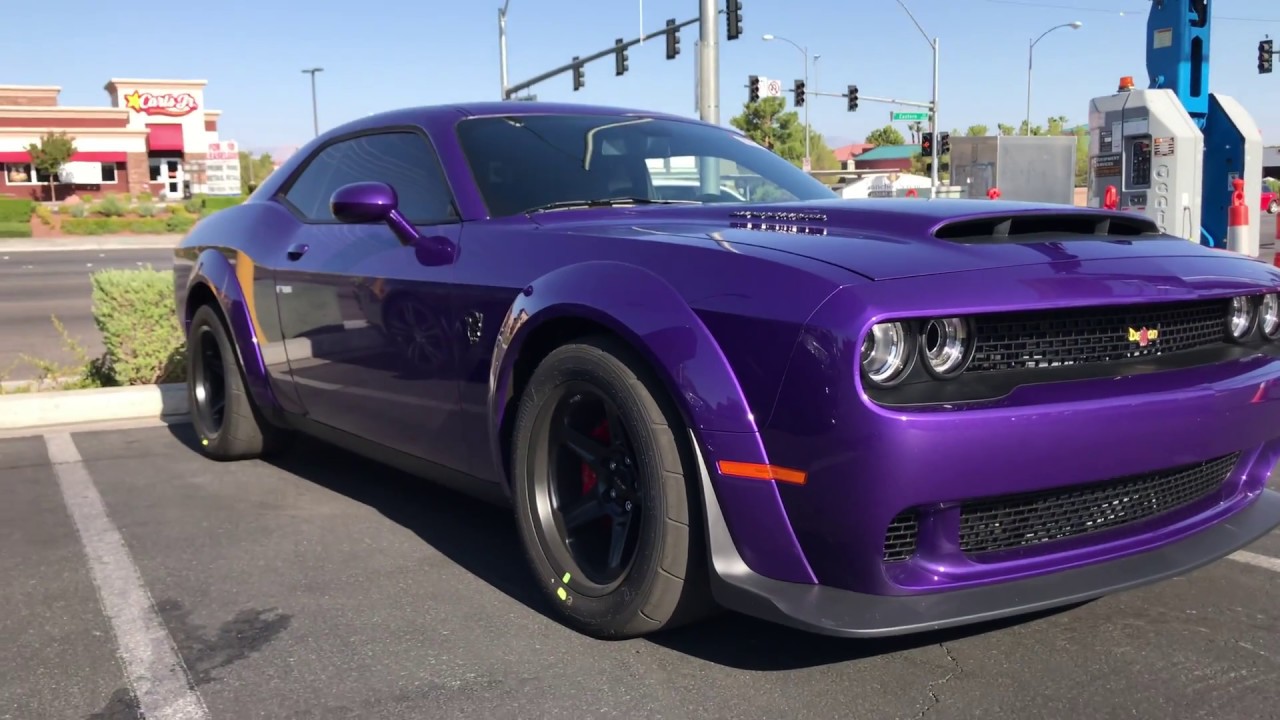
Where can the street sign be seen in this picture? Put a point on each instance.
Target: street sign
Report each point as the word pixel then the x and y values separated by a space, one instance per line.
pixel 773 88
pixel 896 116
pixel 807 165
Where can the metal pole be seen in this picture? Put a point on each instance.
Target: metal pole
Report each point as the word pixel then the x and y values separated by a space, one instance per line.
pixel 808 157
pixel 708 79
pixel 502 51
pixel 934 122
pixel 315 114
pixel 1031 49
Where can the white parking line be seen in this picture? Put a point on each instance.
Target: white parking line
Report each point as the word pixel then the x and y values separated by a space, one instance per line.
pixel 1262 561
pixel 155 671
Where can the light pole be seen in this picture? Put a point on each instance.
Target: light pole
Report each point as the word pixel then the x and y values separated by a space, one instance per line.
pixel 933 114
pixel 502 45
pixel 1031 52
pixel 315 114
pixel 808 159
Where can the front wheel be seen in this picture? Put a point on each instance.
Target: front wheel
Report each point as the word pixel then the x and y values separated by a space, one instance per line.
pixel 1274 207
pixel 604 504
pixel 222 413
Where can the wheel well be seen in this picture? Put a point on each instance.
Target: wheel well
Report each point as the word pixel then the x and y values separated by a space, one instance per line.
pixel 541 343
pixel 200 294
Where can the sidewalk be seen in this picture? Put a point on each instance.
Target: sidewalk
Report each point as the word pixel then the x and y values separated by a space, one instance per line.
pixel 89 242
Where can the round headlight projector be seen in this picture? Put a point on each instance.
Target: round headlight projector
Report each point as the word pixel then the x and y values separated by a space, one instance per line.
pixel 946 345
pixel 1269 315
pixel 1240 317
pixel 886 353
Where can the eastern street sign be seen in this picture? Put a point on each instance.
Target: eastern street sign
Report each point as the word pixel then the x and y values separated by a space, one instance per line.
pixel 896 116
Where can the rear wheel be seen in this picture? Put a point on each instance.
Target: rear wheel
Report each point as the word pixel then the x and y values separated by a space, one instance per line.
pixel 606 511
pixel 1274 207
pixel 225 421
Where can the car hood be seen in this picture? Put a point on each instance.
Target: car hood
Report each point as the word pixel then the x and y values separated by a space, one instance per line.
pixel 884 239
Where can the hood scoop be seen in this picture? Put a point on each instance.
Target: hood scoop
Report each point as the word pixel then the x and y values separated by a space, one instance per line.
pixel 1040 227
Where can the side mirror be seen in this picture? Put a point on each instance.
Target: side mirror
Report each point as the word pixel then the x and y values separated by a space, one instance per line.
pixel 366 202
pixel 363 202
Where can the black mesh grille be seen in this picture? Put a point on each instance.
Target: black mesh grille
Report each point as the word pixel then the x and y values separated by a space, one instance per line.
pixel 900 538
pixel 1015 521
pixel 1073 336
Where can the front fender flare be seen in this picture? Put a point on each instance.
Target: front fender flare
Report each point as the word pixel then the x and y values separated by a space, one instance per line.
pixel 651 315
pixel 225 279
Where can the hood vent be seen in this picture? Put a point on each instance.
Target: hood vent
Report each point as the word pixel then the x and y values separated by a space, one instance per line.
pixel 1041 227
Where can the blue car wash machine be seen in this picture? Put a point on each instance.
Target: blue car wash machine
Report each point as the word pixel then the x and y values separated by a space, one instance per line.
pixel 1174 150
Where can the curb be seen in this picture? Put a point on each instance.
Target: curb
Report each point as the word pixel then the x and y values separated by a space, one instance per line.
pixel 69 243
pixel 68 407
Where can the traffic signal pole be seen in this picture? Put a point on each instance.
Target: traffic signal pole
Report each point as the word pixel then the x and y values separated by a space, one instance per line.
pixel 708 88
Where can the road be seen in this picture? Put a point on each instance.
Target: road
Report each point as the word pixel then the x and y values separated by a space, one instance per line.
pixel 37 285
pixel 323 586
pixel 34 286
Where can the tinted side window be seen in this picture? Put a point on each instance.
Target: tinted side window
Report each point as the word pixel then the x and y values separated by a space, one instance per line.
pixel 403 160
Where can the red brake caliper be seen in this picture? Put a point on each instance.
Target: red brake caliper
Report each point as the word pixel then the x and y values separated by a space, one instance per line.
pixel 589 478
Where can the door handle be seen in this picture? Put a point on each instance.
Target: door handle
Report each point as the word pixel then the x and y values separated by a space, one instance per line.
pixel 297 250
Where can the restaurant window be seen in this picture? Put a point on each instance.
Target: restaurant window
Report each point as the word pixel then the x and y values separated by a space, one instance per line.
pixel 24 174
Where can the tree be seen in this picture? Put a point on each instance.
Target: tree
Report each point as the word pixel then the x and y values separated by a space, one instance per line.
pixel 916 128
pixel 253 170
pixel 1006 129
pixel 887 135
pixel 54 151
pixel 770 125
pixel 977 131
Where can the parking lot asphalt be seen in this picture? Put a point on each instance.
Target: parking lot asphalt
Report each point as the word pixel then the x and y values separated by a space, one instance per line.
pixel 321 585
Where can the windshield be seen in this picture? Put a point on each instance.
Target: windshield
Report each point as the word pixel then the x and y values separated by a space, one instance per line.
pixel 524 163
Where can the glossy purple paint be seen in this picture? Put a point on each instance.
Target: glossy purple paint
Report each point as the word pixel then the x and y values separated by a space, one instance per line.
pixel 753 326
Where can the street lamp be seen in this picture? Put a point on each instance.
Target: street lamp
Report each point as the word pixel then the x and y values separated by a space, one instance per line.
pixel 315 115
pixel 933 111
pixel 1031 52
pixel 502 45
pixel 804 52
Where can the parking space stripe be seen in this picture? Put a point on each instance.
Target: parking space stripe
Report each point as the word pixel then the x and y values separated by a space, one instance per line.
pixel 155 671
pixel 1255 559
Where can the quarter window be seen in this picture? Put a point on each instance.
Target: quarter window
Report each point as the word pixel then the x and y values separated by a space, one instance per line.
pixel 403 160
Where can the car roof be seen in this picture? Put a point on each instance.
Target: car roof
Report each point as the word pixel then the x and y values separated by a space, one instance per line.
pixel 500 108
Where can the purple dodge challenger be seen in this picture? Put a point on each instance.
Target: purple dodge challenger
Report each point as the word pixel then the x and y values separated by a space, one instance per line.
pixel 858 418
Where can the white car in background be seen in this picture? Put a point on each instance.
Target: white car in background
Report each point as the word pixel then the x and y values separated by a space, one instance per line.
pixel 689 189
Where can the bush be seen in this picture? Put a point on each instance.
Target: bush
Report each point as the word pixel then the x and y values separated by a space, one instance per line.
pixel 14 229
pixel 178 223
pixel 110 226
pixel 221 202
pixel 16 210
pixel 134 309
pixel 111 206
pixel 45 214
pixel 78 210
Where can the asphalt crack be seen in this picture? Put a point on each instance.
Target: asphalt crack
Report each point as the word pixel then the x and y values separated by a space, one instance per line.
pixel 934 700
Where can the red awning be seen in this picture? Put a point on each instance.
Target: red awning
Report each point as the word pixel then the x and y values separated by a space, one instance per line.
pixel 165 137
pixel 102 157
pixel 15 157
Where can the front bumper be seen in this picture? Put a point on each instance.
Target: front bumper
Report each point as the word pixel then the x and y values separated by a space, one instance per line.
pixel 834 611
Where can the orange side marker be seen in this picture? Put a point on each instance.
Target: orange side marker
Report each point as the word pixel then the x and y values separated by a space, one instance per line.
pixel 758 471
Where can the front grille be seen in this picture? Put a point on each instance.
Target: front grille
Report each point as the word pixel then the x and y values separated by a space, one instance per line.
pixel 900 538
pixel 1017 521
pixel 1074 336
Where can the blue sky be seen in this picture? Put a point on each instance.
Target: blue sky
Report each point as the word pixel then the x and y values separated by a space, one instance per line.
pixel 394 53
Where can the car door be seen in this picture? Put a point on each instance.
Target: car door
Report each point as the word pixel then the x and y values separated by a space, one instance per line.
pixel 369 332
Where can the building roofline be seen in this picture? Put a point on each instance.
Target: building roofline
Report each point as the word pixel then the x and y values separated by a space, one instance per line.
pixel 44 110
pixel 46 89
pixel 37 131
pixel 148 82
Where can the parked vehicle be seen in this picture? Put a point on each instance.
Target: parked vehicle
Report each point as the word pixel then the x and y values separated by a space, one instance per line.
pixel 855 417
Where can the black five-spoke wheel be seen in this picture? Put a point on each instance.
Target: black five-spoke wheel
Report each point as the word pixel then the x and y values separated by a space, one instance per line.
pixel 607 512
pixel 227 424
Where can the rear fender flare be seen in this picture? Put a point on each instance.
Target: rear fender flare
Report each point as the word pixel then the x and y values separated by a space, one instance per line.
pixel 651 315
pixel 215 271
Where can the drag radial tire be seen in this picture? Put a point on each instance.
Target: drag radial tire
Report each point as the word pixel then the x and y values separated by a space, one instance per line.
pixel 605 491
pixel 226 424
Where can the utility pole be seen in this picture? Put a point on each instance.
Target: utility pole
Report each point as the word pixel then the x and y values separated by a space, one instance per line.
pixel 1031 49
pixel 708 79
pixel 933 114
pixel 804 53
pixel 502 45
pixel 315 115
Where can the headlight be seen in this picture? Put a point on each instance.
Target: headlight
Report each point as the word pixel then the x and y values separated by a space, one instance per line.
pixel 1269 315
pixel 946 343
pixel 1240 317
pixel 887 353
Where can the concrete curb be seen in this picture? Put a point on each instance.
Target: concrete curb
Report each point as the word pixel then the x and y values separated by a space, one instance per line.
pixel 69 407
pixel 74 243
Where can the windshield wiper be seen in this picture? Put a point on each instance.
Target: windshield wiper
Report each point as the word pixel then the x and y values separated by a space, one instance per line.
pixel 608 202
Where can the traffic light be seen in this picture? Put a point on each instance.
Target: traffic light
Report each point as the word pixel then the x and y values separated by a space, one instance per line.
pixel 733 9
pixel 753 88
pixel 944 143
pixel 579 78
pixel 799 93
pixel 673 40
pixel 926 144
pixel 852 96
pixel 620 63
pixel 1265 51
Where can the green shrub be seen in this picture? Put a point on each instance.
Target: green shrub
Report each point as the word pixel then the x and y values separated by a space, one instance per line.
pixel 146 209
pixel 134 310
pixel 221 202
pixel 15 229
pixel 178 223
pixel 16 210
pixel 78 210
pixel 45 213
pixel 93 226
pixel 191 205
pixel 111 206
